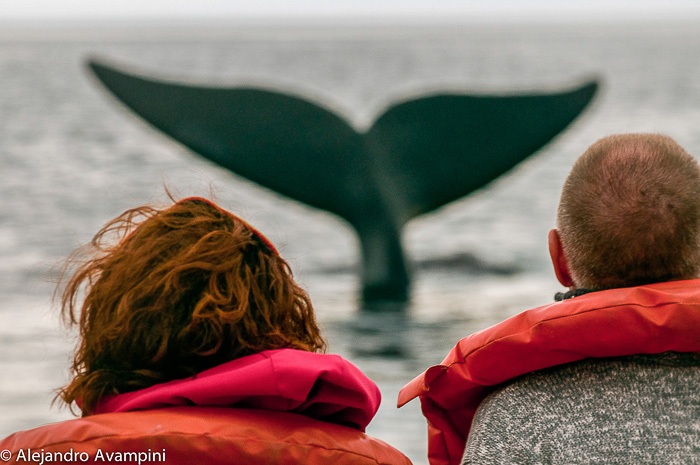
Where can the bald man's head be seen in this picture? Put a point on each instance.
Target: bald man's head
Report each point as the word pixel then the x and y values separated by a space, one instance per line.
pixel 630 213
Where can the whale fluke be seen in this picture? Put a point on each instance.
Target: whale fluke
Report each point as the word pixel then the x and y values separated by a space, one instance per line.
pixel 417 156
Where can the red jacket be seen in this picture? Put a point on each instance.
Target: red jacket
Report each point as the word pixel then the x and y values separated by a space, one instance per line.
pixel 640 320
pixel 280 406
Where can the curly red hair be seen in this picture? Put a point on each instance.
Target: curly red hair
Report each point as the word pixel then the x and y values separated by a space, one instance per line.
pixel 185 289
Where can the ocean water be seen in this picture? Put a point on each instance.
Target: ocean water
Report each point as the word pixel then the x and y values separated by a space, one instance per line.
pixel 71 158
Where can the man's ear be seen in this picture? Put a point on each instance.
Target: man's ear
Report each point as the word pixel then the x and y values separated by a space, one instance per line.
pixel 556 252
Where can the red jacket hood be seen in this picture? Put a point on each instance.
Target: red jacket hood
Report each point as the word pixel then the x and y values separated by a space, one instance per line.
pixel 320 386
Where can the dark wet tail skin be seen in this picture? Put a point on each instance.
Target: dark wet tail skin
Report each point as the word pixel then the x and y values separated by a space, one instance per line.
pixel 419 155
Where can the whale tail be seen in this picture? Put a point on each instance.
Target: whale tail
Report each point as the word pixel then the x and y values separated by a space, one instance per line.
pixel 417 156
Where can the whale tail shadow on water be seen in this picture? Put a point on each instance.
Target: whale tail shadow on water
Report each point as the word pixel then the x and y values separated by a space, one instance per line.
pixel 417 156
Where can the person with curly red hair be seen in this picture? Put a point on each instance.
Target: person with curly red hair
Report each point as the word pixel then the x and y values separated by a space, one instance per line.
pixel 196 343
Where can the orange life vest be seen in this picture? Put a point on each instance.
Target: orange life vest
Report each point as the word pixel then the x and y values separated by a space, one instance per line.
pixel 275 407
pixel 199 435
pixel 640 320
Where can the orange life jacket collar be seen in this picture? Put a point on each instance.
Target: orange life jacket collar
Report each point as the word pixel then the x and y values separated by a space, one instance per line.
pixel 640 320
pixel 279 406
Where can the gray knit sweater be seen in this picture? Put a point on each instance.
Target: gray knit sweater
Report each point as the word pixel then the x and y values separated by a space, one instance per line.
pixel 642 409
